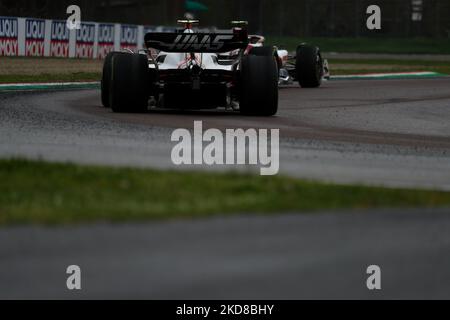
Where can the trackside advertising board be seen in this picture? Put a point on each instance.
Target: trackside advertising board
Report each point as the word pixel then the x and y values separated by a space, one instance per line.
pixel 106 39
pixel 34 37
pixel 129 37
pixel 59 39
pixel 51 38
pixel 86 41
pixel 9 36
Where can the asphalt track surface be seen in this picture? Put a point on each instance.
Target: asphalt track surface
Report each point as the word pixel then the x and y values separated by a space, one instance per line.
pixel 390 132
pixel 292 256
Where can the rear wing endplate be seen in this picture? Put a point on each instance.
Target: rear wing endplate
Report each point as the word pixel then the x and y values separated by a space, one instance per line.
pixel 196 42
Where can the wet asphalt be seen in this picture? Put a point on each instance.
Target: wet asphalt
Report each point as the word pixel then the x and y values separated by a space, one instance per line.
pixel 394 133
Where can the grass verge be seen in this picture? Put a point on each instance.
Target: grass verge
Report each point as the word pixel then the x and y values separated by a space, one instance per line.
pixel 53 77
pixel 368 45
pixel 31 69
pixel 33 192
pixel 349 67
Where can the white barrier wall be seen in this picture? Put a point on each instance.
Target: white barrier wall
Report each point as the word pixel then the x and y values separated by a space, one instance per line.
pixel 51 38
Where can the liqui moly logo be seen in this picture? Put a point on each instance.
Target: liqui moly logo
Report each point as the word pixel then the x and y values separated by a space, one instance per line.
pixel 129 37
pixel 35 29
pixel 106 34
pixel 8 36
pixel 60 31
pixel 59 42
pixel 8 28
pixel 34 37
pixel 85 41
pixel 86 34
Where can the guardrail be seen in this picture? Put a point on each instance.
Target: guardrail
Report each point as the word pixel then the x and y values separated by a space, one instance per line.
pixel 30 37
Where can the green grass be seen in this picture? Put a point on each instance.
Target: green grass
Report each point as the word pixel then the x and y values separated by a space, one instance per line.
pixel 80 77
pixel 360 66
pixel 339 72
pixel 393 62
pixel 357 72
pixel 32 70
pixel 368 45
pixel 33 192
pixel 54 77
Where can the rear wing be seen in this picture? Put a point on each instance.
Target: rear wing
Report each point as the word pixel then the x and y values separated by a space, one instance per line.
pixel 197 42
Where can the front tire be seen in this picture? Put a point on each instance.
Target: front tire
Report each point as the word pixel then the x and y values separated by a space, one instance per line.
pixel 129 87
pixel 309 66
pixel 259 83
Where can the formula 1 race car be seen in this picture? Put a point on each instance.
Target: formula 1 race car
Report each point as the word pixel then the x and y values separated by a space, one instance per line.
pixel 191 70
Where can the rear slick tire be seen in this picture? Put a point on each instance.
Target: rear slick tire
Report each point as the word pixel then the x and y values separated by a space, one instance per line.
pixel 259 85
pixel 106 79
pixel 129 87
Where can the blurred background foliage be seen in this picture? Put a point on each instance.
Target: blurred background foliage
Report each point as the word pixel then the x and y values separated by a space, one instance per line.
pixel 305 18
